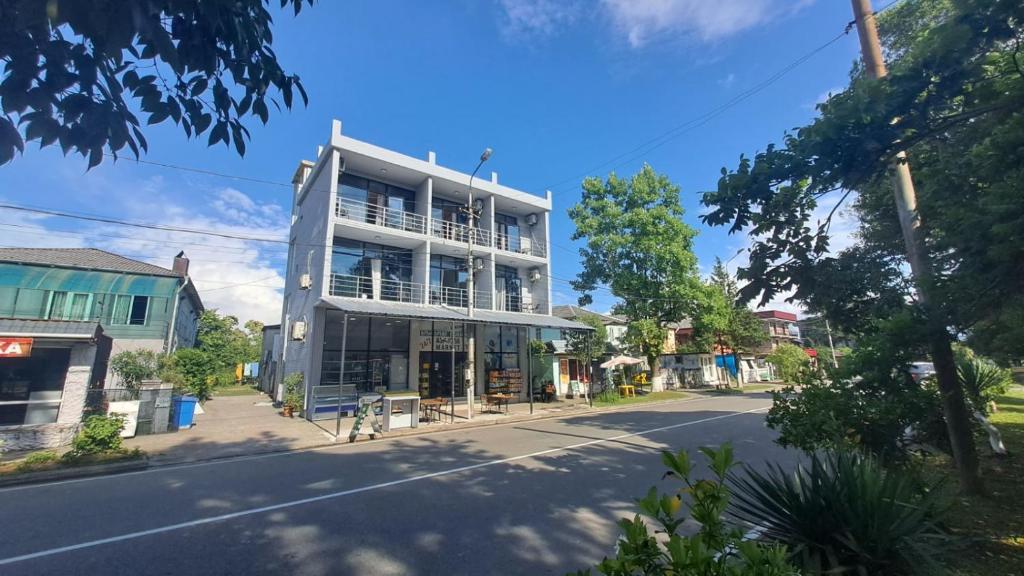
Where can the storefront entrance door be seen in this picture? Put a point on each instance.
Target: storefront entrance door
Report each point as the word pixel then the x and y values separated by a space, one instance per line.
pixel 438 366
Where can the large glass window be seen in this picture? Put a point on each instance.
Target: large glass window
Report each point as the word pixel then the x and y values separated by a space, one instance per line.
pixel 31 388
pixel 130 310
pixel 352 269
pixel 506 230
pixel 509 288
pixel 447 280
pixel 501 350
pixel 374 202
pixel 376 354
pixel 69 306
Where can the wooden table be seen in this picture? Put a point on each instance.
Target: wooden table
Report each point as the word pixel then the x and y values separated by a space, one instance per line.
pixel 428 405
pixel 498 399
pixel 627 390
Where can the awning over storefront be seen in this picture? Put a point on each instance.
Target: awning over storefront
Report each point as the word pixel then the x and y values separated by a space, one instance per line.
pixel 404 310
pixel 57 329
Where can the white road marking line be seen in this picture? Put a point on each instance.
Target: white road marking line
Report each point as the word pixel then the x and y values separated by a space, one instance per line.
pixel 333 495
pixel 233 459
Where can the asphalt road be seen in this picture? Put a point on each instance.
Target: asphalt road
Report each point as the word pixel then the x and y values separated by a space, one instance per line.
pixel 538 497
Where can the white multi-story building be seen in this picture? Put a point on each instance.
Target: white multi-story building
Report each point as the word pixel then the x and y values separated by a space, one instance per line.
pixel 380 243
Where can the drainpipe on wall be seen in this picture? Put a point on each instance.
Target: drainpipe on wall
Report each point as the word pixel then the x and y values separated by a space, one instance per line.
pixel 174 316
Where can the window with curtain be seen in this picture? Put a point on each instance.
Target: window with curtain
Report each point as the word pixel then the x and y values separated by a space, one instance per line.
pixel 130 310
pixel 69 306
pixel 352 266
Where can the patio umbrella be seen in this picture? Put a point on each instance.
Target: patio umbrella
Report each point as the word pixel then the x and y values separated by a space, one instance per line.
pixel 620 361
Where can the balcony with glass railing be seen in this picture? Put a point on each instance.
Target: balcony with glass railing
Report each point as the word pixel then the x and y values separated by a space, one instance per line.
pixel 378 215
pixel 458 232
pixel 519 245
pixel 350 286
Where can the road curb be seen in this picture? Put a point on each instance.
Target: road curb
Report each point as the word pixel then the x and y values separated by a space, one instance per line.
pixel 42 476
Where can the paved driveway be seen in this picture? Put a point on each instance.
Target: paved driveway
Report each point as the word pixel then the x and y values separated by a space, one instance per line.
pixel 536 497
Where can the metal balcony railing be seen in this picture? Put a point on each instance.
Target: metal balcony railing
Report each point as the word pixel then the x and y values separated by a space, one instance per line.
pixel 519 245
pixel 459 232
pixel 350 286
pixel 380 216
pixel 482 300
pixel 449 296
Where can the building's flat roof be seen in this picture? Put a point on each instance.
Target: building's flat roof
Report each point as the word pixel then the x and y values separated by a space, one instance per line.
pixel 402 310
pixel 65 329
pixel 776 315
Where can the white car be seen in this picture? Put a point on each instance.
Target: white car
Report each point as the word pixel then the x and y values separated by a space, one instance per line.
pixel 921 370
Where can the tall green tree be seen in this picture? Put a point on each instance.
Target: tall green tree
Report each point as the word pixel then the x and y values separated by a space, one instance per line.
pixel 725 320
pixel 637 246
pixel 953 101
pixel 223 341
pixel 76 72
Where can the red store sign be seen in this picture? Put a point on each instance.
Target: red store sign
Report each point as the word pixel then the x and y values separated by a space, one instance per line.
pixel 15 347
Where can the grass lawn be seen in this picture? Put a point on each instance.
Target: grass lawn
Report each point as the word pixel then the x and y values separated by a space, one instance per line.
pixel 240 390
pixel 640 399
pixel 991 528
pixel 55 462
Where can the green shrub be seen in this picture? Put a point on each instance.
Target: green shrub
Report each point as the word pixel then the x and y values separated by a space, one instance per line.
pixel 717 549
pixel 38 458
pixel 843 513
pixel 981 378
pixel 134 366
pixel 98 434
pixel 790 361
pixel 294 391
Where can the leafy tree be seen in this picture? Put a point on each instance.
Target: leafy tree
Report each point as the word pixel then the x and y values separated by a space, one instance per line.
pixel 790 360
pixel 639 247
pixel 193 369
pixel 588 345
pixel 221 339
pixel 648 338
pixel 254 340
pixel 953 101
pixel 134 366
pixel 724 319
pixel 77 71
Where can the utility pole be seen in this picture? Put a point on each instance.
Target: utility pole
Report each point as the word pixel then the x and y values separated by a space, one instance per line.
pixel 470 270
pixel 828 330
pixel 954 406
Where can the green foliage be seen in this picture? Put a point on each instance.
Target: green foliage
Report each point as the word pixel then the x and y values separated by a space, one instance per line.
pixel 638 246
pixel 647 337
pixel 134 366
pixel 220 337
pixel 724 319
pixel 36 459
pixel 76 69
pixel 716 549
pixel 294 391
pixel 791 362
pixel 981 378
pixel 843 513
pixel 98 434
pixel 588 345
pixel 191 369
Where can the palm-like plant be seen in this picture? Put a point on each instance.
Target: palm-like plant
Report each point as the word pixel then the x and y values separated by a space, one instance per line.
pixel 842 513
pixel 982 381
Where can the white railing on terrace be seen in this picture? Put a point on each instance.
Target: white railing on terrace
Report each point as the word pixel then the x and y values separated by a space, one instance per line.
pixel 482 300
pixel 350 286
pixel 459 232
pixel 380 216
pixel 519 245
pixel 448 296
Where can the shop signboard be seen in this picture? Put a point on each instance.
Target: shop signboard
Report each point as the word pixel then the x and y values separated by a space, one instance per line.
pixel 441 340
pixel 15 347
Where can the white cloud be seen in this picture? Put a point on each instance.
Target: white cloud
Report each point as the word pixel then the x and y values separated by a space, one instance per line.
pixel 705 20
pixel 728 81
pixel 521 18
pixel 239 277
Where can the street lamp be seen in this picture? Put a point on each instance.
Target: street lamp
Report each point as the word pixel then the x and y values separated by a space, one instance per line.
pixel 471 343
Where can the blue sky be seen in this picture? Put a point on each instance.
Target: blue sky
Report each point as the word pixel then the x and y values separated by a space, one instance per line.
pixel 557 89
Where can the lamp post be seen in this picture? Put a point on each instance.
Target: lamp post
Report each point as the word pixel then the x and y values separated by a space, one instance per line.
pixel 471 341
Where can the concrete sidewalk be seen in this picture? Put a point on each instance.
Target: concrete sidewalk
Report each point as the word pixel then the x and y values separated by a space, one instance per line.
pixel 243 425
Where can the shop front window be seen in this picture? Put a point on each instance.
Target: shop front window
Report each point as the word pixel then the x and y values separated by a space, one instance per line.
pixel 376 354
pixel 31 388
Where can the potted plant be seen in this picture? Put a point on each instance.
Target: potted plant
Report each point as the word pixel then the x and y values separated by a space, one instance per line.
pixel 293 394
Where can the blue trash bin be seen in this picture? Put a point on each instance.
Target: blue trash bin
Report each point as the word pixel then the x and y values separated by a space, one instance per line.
pixel 184 408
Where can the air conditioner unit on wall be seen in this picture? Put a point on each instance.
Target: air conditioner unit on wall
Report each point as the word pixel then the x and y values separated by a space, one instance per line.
pixel 531 219
pixel 534 274
pixel 305 282
pixel 478 263
pixel 299 330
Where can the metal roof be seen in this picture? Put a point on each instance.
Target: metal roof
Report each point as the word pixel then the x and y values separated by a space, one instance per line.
pixel 49 328
pixel 404 310
pixel 568 311
pixel 84 258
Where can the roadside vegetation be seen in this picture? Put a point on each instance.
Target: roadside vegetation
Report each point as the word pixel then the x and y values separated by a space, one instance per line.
pixel 98 442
